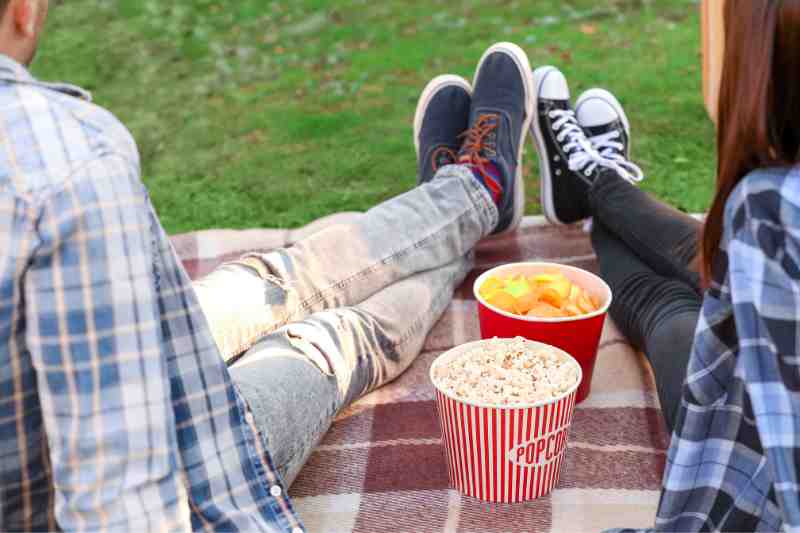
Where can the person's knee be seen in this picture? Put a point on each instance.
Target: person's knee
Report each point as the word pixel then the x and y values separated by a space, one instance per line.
pixel 332 341
pixel 644 303
pixel 675 330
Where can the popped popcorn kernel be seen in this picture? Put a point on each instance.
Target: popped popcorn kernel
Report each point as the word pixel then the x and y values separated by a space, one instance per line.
pixel 508 372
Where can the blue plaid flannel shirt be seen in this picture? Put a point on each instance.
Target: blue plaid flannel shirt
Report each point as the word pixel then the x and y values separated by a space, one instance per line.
pixel 116 410
pixel 733 461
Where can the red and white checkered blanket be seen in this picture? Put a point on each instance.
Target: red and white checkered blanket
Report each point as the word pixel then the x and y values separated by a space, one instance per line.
pixel 382 468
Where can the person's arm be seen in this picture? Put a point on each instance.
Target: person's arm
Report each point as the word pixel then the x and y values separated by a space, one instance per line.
pixel 764 266
pixel 94 334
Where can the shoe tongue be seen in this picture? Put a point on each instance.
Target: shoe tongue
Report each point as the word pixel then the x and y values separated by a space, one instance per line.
pixel 592 131
pixel 600 129
pixel 490 145
pixel 556 105
pixel 490 140
pixel 487 140
pixel 483 116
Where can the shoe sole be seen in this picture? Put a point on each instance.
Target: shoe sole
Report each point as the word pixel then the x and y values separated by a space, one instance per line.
pixel 434 86
pixel 545 176
pixel 524 66
pixel 611 100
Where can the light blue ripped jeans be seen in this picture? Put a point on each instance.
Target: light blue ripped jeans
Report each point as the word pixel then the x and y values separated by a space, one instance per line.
pixel 343 311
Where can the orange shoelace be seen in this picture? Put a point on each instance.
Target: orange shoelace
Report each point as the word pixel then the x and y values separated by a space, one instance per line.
pixel 474 149
pixel 447 152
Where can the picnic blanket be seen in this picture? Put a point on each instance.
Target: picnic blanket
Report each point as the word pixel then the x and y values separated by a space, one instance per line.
pixel 381 467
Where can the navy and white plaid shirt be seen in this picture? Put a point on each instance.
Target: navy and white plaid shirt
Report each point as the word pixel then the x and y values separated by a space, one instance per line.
pixel 116 410
pixel 733 461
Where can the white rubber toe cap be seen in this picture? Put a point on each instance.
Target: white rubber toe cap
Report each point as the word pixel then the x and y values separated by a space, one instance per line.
pixel 598 107
pixel 552 84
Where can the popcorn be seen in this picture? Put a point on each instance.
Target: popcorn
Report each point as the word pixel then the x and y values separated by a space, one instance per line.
pixel 508 372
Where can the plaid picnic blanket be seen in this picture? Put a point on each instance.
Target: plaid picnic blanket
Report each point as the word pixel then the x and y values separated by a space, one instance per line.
pixel 381 467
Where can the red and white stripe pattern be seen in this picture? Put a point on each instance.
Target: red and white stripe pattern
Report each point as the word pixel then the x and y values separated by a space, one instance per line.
pixel 504 455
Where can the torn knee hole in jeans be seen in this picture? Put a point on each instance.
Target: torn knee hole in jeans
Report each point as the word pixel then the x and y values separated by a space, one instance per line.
pixel 276 291
pixel 278 282
pixel 261 269
pixel 315 353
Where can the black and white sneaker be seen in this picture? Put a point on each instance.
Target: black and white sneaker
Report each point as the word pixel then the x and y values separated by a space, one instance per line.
pixel 604 121
pixel 568 162
pixel 501 113
pixel 441 118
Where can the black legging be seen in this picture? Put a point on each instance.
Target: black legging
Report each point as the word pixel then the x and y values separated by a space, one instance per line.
pixel 645 249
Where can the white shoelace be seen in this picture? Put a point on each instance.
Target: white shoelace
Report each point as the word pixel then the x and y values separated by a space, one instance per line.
pixel 585 155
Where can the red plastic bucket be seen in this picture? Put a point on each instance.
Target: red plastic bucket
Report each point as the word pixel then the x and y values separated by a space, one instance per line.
pixel 579 336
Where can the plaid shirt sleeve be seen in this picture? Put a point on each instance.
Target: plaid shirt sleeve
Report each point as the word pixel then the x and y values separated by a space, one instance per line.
pixel 94 333
pixel 764 266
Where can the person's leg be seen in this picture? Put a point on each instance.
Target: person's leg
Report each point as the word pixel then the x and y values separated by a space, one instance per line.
pixel 656 313
pixel 423 229
pixel 296 379
pixel 663 237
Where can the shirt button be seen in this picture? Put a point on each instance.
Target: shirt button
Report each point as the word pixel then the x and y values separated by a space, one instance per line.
pixel 275 491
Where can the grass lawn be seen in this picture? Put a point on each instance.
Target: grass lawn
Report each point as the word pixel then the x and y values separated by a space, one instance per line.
pixel 273 113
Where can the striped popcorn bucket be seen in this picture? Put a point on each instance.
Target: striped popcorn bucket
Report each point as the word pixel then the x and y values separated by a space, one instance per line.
pixel 503 454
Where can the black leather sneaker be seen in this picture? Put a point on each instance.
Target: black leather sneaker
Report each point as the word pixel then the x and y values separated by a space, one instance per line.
pixel 568 160
pixel 501 112
pixel 442 116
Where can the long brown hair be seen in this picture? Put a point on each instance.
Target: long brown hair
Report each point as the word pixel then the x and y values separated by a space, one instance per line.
pixel 759 100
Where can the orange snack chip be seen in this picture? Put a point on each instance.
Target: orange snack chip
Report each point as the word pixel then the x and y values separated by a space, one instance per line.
pixel 502 300
pixel 545 310
pixel 551 296
pixel 490 286
pixel 547 294
pixel 526 302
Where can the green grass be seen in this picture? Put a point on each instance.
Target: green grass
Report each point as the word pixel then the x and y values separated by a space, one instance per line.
pixel 264 113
